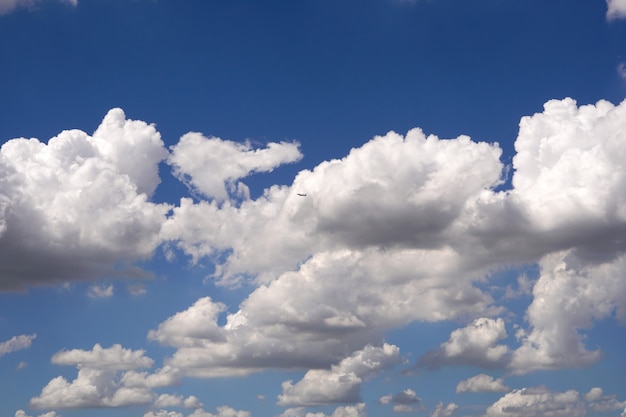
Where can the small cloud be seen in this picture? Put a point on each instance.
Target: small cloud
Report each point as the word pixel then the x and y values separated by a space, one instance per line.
pixel 481 383
pixel 100 291
pixel 8 6
pixel 21 365
pixel 137 289
pixel 403 402
pixel 616 9
pixel 621 70
pixel 16 343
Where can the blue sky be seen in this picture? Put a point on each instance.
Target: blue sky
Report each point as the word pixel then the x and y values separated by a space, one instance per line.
pixel 316 208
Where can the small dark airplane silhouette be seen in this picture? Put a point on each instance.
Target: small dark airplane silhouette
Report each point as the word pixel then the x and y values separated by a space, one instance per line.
pixel 301 195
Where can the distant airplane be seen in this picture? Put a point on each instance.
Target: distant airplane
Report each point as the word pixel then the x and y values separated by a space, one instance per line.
pixel 301 195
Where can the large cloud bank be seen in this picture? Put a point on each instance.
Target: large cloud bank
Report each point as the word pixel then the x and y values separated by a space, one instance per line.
pixel 402 229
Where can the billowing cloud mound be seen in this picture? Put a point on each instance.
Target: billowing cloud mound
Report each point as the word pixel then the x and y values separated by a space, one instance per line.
pixel 540 401
pixel 342 383
pixel 481 383
pixel 474 345
pixel 77 207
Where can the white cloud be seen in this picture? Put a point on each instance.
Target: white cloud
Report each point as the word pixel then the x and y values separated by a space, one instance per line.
pixel 22 413
pixel 405 401
pixel 621 70
pixel 214 166
pixel 475 344
pixel 162 413
pixel 15 343
pixel 569 296
pixel 481 383
pixel 530 402
pixel 342 383
pixel 97 383
pixel 7 6
pixel 168 400
pixel 442 410
pixel 616 9
pixel 193 326
pixel 357 410
pixel 77 207
pixel 222 411
pixel 162 377
pixel 114 358
pixel 100 291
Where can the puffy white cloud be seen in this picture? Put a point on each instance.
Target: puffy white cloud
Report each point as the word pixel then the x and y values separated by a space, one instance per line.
pixel 568 296
pixel 22 413
pixel 529 402
pixel 481 383
pixel 616 9
pixel 168 400
pixel 193 326
pixel 357 410
pixel 162 377
pixel 97 383
pixel 162 413
pixel 213 166
pixel 405 401
pixel 442 410
pixel 20 342
pixel 91 388
pixel 222 411
pixel 77 207
pixel 114 358
pixel 342 383
pixel 100 291
pixel 475 344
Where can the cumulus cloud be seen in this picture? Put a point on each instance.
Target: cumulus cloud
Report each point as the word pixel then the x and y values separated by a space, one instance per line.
pixel 537 401
pixel 22 413
pixel 616 9
pixel 342 383
pixel 15 343
pixel 222 411
pixel 162 413
pixel 481 383
pixel 475 344
pixel 357 410
pixel 442 410
pixel 213 166
pixel 568 296
pixel 77 207
pixel 405 401
pixel 97 383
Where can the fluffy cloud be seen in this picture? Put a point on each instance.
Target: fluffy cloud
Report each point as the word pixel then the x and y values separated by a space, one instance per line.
pixel 481 383
pixel 442 410
pixel 213 166
pixel 222 411
pixel 475 344
pixel 342 383
pixel 77 207
pixel 97 383
pixel 20 342
pixel 616 9
pixel 403 402
pixel 22 413
pixel 569 296
pixel 162 413
pixel 357 410
pixel 542 401
pixel 538 401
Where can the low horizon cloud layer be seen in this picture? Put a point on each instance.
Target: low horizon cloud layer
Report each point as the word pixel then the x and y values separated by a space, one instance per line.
pixel 403 229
